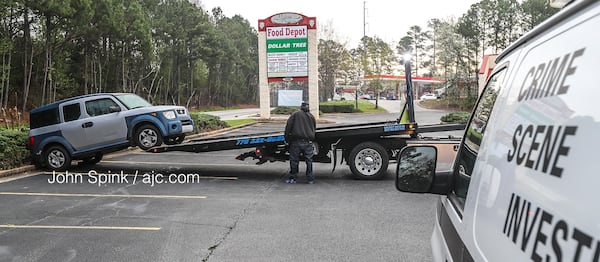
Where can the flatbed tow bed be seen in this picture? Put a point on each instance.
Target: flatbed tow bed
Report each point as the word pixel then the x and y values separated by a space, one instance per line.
pixel 366 147
pixel 277 138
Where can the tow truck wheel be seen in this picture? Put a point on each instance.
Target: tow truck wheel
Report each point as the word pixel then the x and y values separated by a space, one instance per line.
pixel 368 160
pixel 148 136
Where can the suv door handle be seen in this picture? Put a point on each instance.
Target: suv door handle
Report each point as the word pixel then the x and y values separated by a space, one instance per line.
pixel 87 124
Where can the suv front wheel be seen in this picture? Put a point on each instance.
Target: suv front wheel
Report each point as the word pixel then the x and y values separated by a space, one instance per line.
pixel 148 136
pixel 57 158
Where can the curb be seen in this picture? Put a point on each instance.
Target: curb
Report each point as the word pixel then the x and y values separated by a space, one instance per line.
pixel 17 170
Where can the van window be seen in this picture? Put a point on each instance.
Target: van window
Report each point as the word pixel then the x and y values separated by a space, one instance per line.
pixel 71 112
pixel 473 137
pixel 99 107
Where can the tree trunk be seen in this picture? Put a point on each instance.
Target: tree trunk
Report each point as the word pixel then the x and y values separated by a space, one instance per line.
pixel 47 62
pixel 27 79
pixel 7 86
pixel 51 84
pixel 153 81
pixel 94 74
pixel 2 83
pixel 177 81
pixel 27 61
pixel 124 79
pixel 192 91
pixel 85 70
pixel 209 85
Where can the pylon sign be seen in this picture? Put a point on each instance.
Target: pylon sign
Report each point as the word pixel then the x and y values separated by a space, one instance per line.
pixel 287 44
pixel 287 49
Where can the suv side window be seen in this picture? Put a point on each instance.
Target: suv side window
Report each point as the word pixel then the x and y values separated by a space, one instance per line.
pixel 71 112
pixel 99 106
pixel 44 118
pixel 467 155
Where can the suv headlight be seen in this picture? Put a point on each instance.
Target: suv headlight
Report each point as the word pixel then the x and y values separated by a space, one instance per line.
pixel 169 114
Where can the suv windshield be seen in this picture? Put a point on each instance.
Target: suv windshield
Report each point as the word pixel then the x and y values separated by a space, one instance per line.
pixel 132 101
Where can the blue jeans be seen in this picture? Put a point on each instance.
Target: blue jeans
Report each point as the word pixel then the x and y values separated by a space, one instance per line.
pixel 301 147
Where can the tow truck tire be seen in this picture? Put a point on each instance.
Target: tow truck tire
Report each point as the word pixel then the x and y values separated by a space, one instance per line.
pixel 148 136
pixel 368 161
pixel 57 158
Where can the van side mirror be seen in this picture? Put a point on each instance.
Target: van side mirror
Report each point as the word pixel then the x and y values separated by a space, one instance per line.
pixel 416 168
pixel 114 109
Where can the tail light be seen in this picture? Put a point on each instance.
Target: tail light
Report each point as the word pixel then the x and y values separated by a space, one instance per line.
pixel 258 152
pixel 31 141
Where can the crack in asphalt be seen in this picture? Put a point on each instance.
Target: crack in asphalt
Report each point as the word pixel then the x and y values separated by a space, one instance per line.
pixel 252 205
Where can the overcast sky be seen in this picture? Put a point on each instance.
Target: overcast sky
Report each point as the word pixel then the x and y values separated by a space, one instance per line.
pixel 386 19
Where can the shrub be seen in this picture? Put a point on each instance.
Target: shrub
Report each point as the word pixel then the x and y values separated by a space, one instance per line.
pixel 13 148
pixel 456 117
pixel 206 122
pixel 285 110
pixel 336 108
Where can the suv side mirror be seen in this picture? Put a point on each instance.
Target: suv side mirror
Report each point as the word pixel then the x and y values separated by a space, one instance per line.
pixel 416 169
pixel 114 109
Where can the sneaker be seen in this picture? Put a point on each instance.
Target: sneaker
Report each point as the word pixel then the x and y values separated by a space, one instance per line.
pixel 291 181
pixel 311 182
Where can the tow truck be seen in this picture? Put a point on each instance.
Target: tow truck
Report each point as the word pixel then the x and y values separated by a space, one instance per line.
pixel 367 148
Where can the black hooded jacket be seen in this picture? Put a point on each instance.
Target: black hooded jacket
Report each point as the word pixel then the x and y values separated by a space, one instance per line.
pixel 300 125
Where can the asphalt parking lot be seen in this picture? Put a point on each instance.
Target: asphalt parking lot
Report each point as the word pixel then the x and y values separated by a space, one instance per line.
pixel 215 209
pixel 232 213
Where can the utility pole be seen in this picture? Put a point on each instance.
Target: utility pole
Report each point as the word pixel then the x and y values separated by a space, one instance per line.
pixel 364 34
pixel 364 18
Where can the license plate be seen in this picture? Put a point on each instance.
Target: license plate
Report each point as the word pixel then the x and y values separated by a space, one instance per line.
pixel 187 128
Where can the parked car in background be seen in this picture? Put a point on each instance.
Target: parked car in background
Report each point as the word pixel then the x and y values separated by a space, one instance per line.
pixel 366 97
pixel 86 127
pixel 344 96
pixel 428 96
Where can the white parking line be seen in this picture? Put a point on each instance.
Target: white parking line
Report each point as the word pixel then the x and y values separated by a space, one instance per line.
pixel 16 177
pixel 78 227
pixel 90 173
pixel 99 195
pixel 176 164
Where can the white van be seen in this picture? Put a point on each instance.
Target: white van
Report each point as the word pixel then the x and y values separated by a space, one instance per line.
pixel 522 183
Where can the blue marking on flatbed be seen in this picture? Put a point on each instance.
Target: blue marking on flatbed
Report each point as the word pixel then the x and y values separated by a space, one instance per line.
pixel 260 140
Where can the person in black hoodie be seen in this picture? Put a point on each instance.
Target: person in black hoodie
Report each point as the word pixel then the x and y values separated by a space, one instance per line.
pixel 299 133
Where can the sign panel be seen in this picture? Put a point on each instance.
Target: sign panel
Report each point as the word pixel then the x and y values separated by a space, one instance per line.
pixel 287 51
pixel 289 98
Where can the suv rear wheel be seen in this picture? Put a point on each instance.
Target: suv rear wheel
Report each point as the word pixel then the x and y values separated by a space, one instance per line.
pixel 57 158
pixel 148 136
